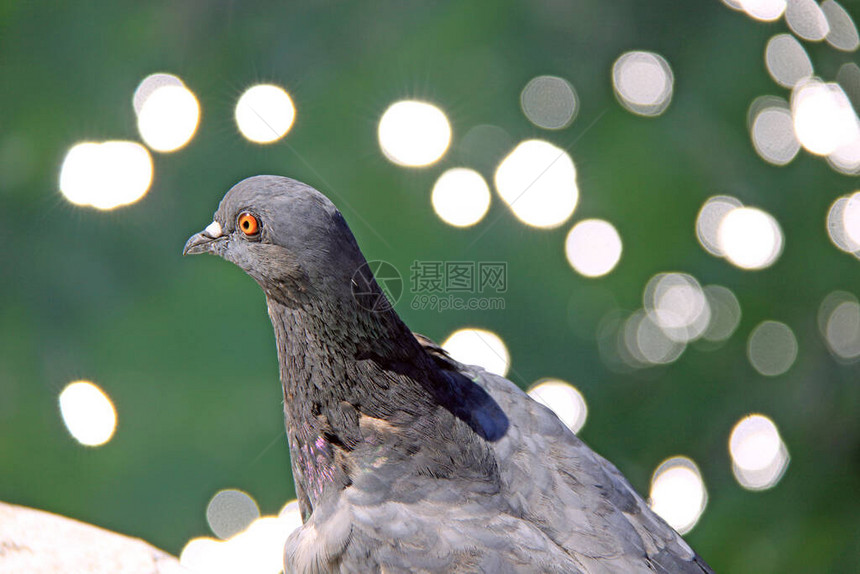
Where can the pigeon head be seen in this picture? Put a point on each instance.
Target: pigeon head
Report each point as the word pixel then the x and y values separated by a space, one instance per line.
pixel 286 235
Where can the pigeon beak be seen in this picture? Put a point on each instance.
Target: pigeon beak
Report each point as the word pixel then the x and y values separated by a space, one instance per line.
pixel 202 242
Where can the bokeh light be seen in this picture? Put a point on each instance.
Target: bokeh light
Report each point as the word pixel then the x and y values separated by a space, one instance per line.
pixel 231 511
pixel 564 399
pixel 258 549
pixel 772 348
pixel 483 146
pixel 88 413
pixel 838 221
pixel 167 112
pixel 848 76
pixel 759 456
pixel 461 197
pixel 479 347
pixel 291 515
pixel 764 10
pixel 413 133
pixel 806 19
pixel 709 218
pixel 644 343
pixel 725 313
pixel 678 493
pixel 750 238
pixel 549 102
pixel 538 182
pixel 843 330
pixel 843 32
pixel 265 113
pixel 846 158
pixel 106 175
pixel 643 82
pixel 851 218
pixel 734 4
pixel 824 120
pixel 676 303
pixel 787 60
pixel 593 247
pixel 839 323
pixel 772 131
pixel 150 84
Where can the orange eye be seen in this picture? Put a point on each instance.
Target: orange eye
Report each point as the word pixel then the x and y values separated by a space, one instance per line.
pixel 248 223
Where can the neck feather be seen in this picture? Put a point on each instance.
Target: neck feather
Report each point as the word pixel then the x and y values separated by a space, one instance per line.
pixel 339 364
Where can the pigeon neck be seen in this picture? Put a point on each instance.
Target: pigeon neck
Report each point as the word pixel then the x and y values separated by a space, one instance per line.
pixel 330 356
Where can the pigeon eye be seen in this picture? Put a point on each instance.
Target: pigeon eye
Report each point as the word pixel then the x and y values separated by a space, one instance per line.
pixel 248 223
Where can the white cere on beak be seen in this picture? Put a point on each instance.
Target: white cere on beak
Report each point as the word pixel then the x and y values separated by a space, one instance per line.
pixel 213 230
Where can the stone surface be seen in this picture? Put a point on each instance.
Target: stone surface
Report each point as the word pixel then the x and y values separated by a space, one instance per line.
pixel 37 542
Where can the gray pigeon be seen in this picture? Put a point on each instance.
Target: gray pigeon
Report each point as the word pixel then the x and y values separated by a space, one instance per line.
pixel 405 460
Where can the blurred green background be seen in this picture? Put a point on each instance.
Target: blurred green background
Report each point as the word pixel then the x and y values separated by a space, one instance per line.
pixel 184 346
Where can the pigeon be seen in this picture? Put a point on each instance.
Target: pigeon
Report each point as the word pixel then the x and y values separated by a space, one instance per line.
pixel 405 460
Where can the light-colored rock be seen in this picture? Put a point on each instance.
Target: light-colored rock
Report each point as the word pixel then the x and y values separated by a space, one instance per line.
pixel 38 542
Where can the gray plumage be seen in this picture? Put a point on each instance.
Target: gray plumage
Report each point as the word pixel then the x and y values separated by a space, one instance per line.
pixel 405 460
